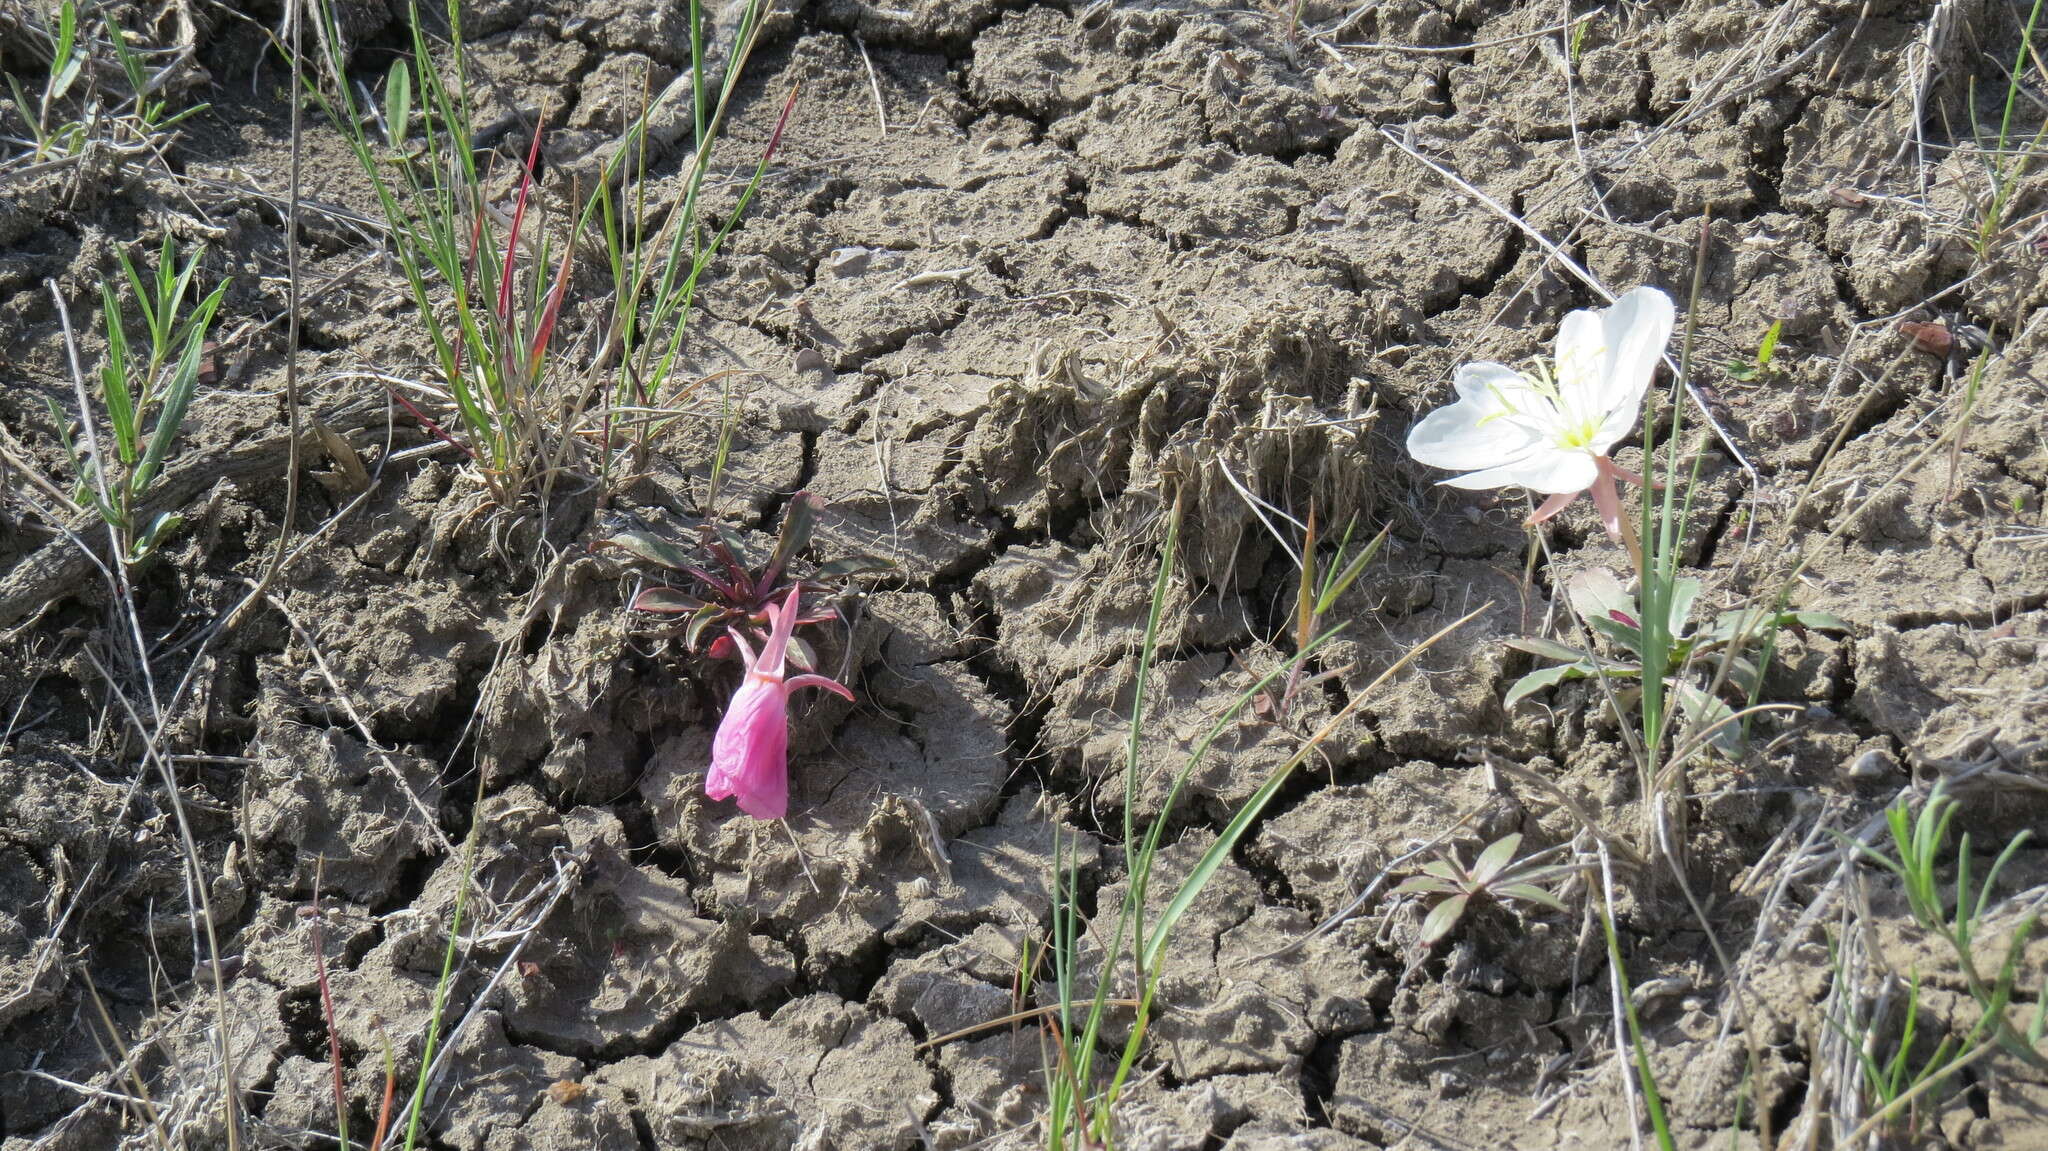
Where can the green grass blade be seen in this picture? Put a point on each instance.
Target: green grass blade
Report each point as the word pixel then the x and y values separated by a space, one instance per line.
pixel 114 379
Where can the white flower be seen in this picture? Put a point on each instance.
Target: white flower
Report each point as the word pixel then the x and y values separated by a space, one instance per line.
pixel 1550 430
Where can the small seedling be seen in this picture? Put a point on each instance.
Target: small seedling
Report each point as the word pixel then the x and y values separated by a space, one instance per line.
pixel 728 591
pixel 1759 366
pixel 1893 1085
pixel 1918 842
pixel 1613 614
pixel 70 110
pixel 1313 601
pixel 145 394
pixel 1496 876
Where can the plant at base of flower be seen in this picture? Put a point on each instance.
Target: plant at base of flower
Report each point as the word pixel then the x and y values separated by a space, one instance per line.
pixel 1550 430
pixel 1698 655
pixel 750 754
pixel 729 592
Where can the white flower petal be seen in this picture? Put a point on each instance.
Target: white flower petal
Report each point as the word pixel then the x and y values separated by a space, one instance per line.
pixel 1483 427
pixel 1582 353
pixel 1551 471
pixel 1637 327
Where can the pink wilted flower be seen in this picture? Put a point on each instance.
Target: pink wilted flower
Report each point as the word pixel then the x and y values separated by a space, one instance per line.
pixel 750 755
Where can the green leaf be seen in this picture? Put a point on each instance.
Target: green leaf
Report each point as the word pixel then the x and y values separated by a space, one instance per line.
pixel 138 80
pixel 1495 857
pixel 650 547
pixel 66 61
pixel 184 382
pixel 1442 919
pixel 1683 593
pixel 797 521
pixel 801 655
pixel 1624 636
pixel 1707 711
pixel 1547 648
pixel 1426 885
pixel 397 103
pixel 1817 620
pixel 668 600
pixel 1597 594
pixel 693 636
pixel 114 379
pixel 1529 893
pixel 1541 678
pixel 1336 586
pixel 158 531
pixel 1769 348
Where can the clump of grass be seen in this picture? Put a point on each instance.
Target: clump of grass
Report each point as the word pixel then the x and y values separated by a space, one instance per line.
pixel 491 295
pixel 144 391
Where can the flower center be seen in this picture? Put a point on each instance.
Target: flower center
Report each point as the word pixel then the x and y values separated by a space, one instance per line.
pixel 1578 435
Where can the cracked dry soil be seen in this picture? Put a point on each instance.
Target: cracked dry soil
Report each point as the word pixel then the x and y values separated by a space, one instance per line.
pixel 1019 273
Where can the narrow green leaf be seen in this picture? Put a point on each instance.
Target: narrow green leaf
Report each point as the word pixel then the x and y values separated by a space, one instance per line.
pixel 1529 893
pixel 798 519
pixel 138 79
pixel 650 547
pixel 114 379
pixel 178 394
pixel 1547 648
pixel 1769 348
pixel 1817 620
pixel 1426 885
pixel 397 104
pixel 66 61
pixel 1351 572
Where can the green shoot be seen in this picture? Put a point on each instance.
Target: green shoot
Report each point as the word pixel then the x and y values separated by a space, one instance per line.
pixel 1917 845
pixel 1760 365
pixel 125 127
pixel 1653 1101
pixel 145 393
pixel 1313 600
pixel 2005 170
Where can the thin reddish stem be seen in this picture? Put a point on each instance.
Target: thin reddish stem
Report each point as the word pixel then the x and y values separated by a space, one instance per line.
pixel 319 941
pixel 427 422
pixel 518 217
pixel 553 311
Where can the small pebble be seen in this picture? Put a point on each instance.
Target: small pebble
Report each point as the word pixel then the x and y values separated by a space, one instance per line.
pixel 1876 763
